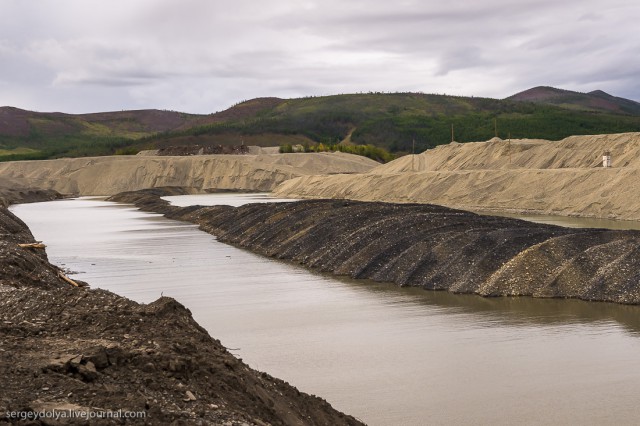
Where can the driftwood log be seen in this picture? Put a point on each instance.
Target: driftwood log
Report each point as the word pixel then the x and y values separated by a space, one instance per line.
pixel 37 245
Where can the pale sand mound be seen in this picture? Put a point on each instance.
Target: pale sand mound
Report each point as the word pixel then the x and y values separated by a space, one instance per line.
pixel 110 175
pixel 572 152
pixel 562 177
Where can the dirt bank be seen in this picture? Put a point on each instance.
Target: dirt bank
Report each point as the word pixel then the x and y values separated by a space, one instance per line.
pixel 601 193
pixel 522 175
pixel 427 246
pixel 65 349
pixel 11 194
pixel 110 175
pixel 574 152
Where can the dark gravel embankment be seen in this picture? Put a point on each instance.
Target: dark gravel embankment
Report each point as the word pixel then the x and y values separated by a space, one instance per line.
pixel 427 246
pixel 66 349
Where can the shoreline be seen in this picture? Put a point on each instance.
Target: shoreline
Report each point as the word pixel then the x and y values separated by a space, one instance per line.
pixel 426 246
pixel 66 349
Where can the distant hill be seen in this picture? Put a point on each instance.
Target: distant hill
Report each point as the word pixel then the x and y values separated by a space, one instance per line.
pixel 597 100
pixel 387 120
pixel 244 110
pixel 18 122
pixel 393 120
pixel 31 134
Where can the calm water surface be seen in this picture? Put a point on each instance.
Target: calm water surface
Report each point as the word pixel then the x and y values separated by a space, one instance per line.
pixel 571 222
pixel 387 355
pixel 224 198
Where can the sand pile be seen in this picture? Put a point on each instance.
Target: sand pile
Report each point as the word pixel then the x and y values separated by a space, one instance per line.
pixel 110 175
pixel 572 152
pixel 536 176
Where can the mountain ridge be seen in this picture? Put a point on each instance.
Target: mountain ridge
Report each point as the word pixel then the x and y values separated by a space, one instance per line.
pixel 596 100
pixel 391 121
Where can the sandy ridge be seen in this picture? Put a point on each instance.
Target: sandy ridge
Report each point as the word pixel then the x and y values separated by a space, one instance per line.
pixel 426 246
pixel 110 175
pixel 543 177
pixel 572 152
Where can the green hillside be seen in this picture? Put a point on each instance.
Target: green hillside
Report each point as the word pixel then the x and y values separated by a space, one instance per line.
pixel 596 101
pixel 391 121
pixel 35 135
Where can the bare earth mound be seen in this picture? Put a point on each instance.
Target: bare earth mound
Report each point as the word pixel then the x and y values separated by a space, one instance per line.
pixel 110 175
pixel 426 246
pixel 564 177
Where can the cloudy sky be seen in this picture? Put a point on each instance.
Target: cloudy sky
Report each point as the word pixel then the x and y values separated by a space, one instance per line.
pixel 202 56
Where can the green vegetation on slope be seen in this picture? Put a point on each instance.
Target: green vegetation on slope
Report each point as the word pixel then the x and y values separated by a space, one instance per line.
pixel 595 101
pixel 40 147
pixel 26 135
pixel 378 154
pixel 391 121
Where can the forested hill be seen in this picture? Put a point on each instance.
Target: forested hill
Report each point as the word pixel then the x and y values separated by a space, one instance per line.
pixel 595 101
pixel 387 120
pixel 393 120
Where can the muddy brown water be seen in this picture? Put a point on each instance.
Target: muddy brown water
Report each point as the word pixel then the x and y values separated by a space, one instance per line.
pixel 569 221
pixel 387 355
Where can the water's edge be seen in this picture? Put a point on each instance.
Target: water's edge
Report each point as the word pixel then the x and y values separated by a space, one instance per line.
pixel 65 348
pixel 426 246
pixel 388 354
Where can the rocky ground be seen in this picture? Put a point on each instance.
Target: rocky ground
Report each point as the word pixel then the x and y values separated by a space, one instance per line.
pixel 67 349
pixel 427 246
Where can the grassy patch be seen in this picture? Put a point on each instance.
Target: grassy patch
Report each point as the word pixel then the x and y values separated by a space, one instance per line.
pixel 18 151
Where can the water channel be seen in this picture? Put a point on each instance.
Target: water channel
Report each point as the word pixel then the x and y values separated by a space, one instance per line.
pixel 386 355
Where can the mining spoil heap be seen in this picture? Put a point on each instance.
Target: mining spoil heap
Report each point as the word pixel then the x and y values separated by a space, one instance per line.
pixel 111 175
pixel 69 349
pixel 533 176
pixel 426 246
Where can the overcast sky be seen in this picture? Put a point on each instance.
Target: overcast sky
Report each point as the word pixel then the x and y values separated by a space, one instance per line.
pixel 203 56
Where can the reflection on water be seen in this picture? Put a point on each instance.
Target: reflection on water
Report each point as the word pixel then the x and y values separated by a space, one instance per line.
pixel 515 310
pixel 235 200
pixel 224 199
pixel 570 222
pixel 385 354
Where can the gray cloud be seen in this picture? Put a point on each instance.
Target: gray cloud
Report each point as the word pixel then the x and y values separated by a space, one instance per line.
pixel 204 55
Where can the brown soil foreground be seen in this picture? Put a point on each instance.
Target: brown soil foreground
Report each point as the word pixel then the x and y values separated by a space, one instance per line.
pixel 427 246
pixel 66 349
pixel 533 176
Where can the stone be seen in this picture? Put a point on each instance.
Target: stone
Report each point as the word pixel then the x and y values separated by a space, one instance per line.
pixel 88 371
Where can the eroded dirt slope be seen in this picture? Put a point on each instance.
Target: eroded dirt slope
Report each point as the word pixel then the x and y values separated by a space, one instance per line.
pixel 111 175
pixel 533 176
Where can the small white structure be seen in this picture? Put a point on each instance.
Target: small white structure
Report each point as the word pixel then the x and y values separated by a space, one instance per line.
pixel 606 159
